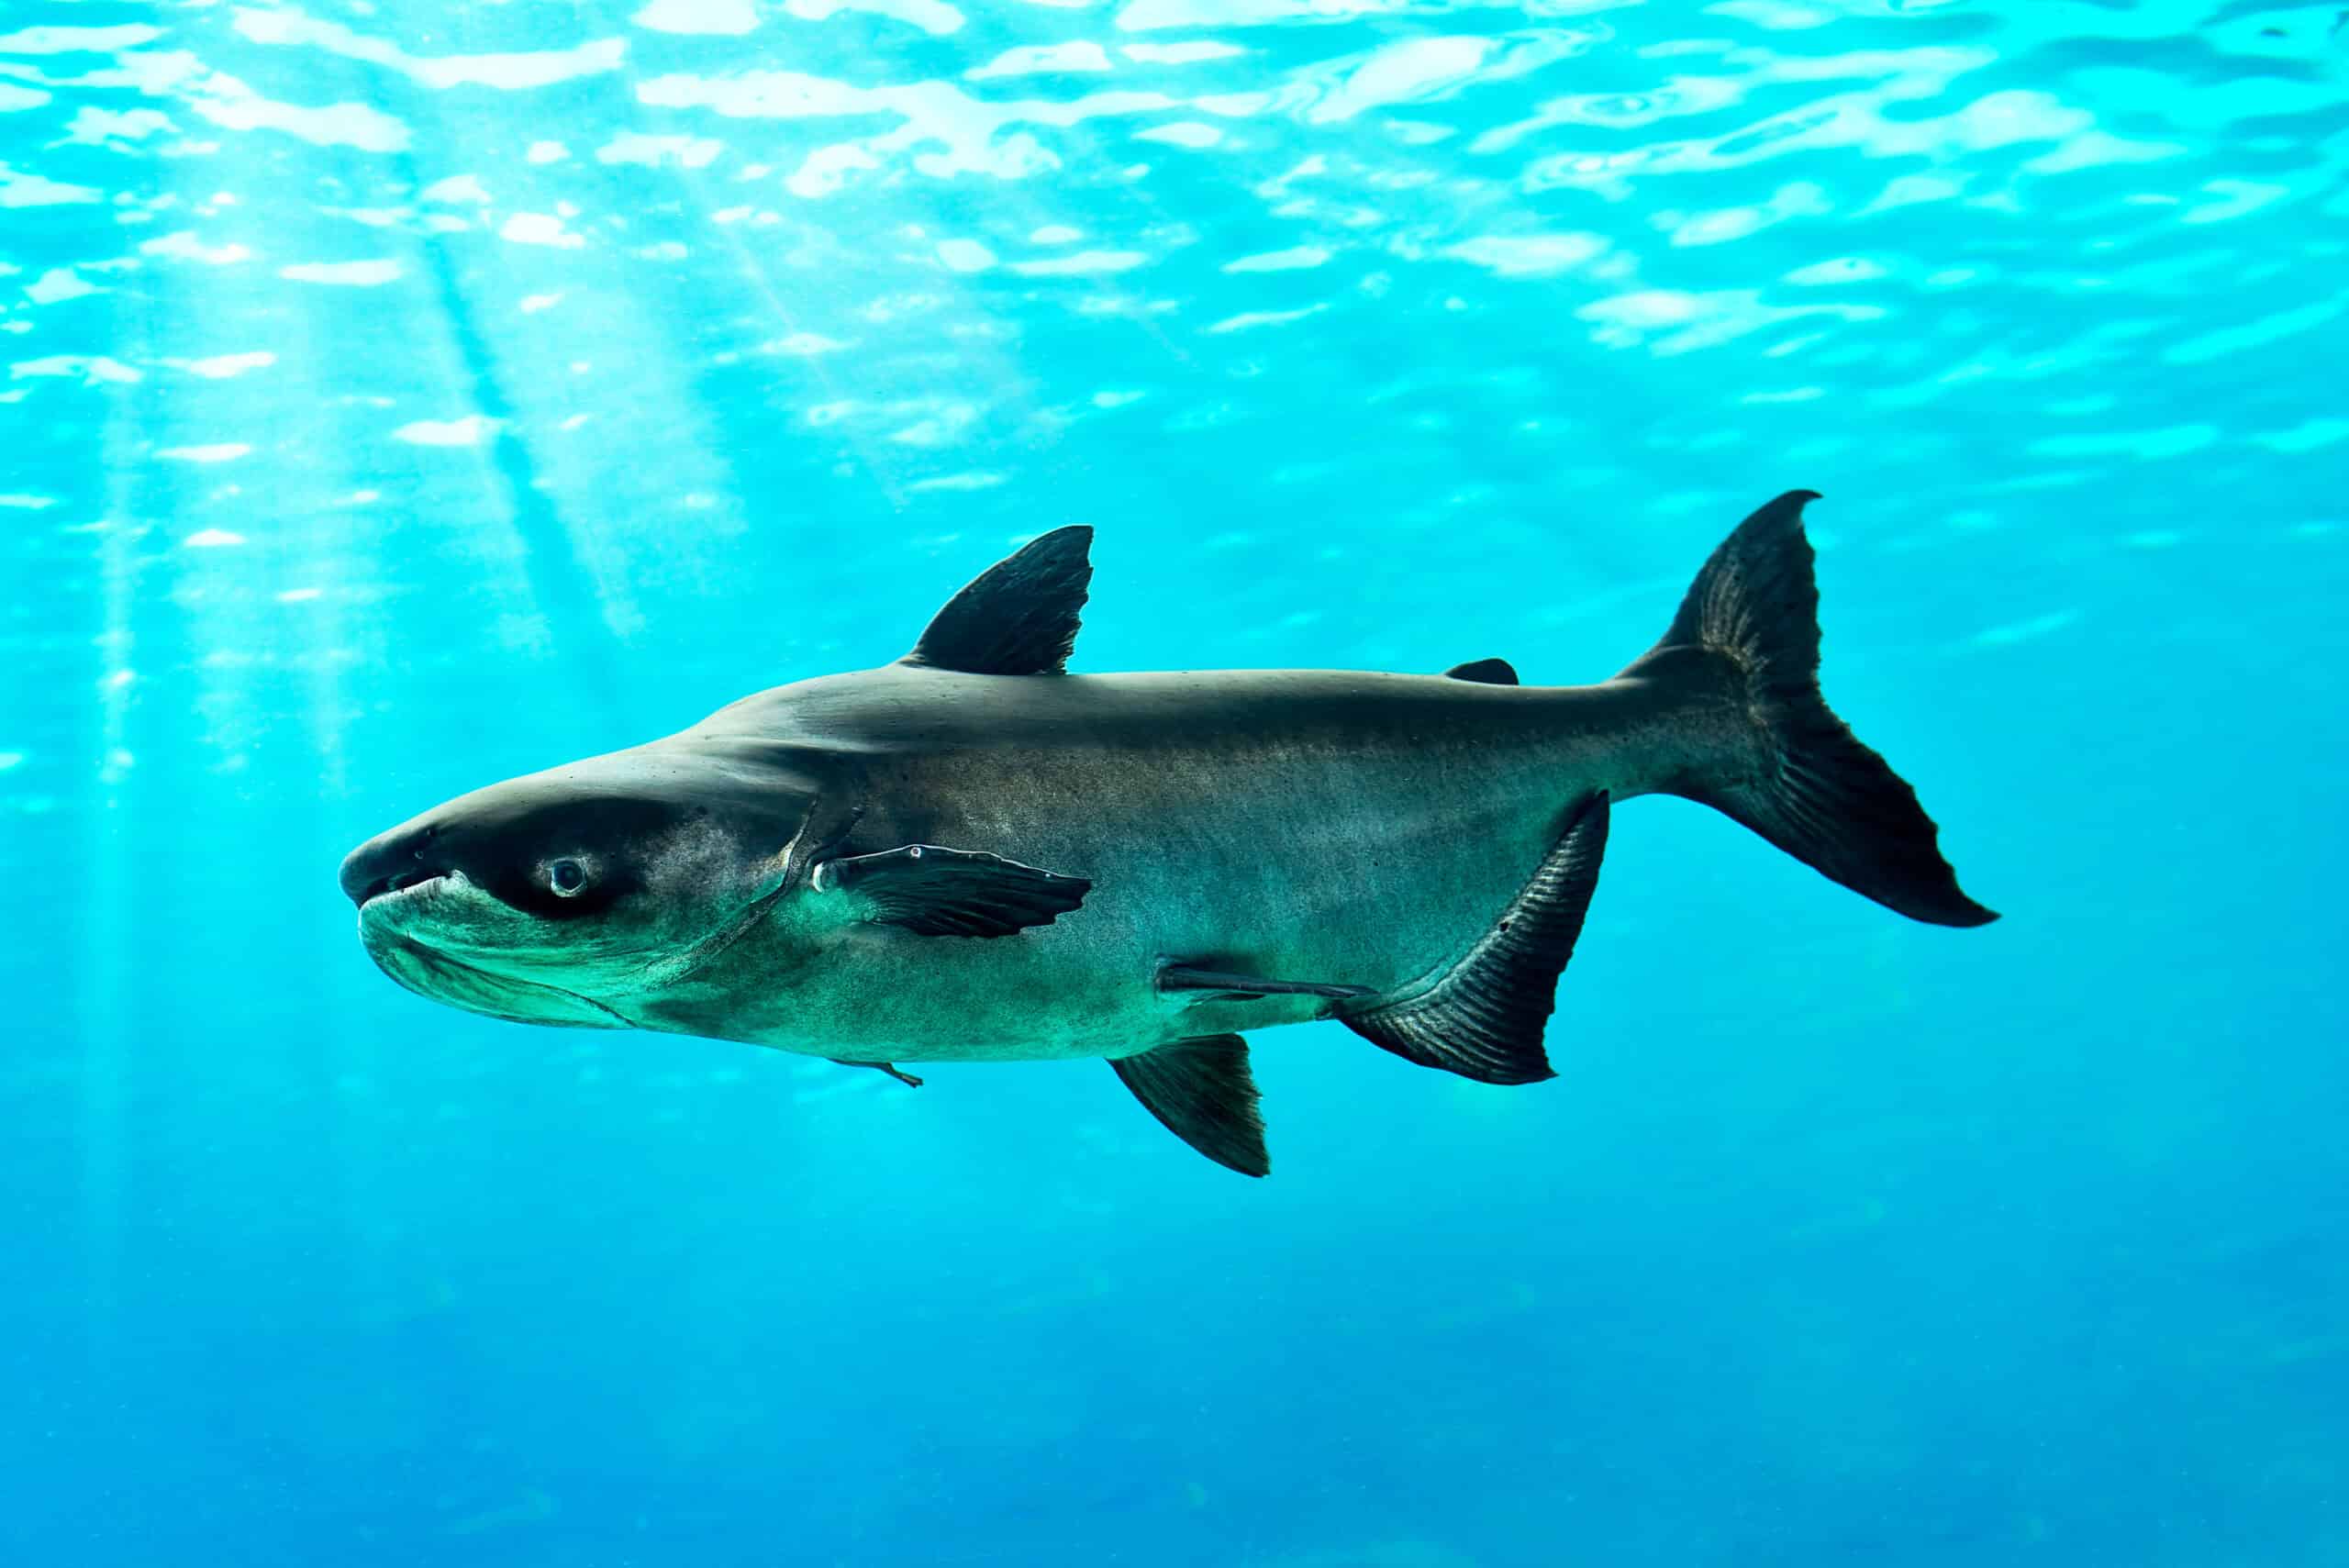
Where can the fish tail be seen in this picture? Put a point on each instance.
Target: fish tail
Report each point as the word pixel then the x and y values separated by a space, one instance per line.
pixel 1744 650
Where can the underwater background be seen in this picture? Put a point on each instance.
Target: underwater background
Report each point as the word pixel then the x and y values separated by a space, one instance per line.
pixel 405 396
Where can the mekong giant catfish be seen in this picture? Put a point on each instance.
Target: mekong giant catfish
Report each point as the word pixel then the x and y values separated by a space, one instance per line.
pixel 972 855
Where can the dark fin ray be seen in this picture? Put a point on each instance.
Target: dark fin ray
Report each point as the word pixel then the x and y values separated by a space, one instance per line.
pixel 1483 1019
pixel 1749 631
pixel 1488 671
pixel 1019 615
pixel 1202 1092
pixel 952 893
pixel 908 1078
pixel 1225 986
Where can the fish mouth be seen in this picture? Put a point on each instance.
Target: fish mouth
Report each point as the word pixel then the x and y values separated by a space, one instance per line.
pixel 436 976
pixel 415 902
pixel 406 884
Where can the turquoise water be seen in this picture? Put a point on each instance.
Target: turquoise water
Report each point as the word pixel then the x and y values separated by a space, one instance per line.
pixel 402 396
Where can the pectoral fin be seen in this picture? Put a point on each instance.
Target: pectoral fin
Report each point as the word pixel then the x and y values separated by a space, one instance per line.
pixel 1203 1093
pixel 951 892
pixel 1224 985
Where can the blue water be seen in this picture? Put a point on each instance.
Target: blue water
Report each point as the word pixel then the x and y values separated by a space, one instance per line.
pixel 401 396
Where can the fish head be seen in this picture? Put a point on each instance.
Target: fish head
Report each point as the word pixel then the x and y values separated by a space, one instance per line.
pixel 569 896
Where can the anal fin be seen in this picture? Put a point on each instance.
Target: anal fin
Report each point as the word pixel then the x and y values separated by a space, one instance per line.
pixel 1226 985
pixel 1202 1092
pixel 1483 1018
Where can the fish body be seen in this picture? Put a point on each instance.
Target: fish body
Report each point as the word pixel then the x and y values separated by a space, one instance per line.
pixel 1354 827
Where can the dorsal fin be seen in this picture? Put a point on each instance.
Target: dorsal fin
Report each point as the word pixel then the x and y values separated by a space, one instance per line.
pixel 1488 671
pixel 1019 615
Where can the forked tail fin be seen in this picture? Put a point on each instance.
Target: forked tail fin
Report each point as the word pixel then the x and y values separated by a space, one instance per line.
pixel 1748 635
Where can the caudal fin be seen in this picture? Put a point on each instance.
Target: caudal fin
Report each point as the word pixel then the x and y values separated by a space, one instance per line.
pixel 1745 645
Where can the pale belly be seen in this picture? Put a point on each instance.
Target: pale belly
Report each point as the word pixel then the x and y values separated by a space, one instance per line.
pixel 891 996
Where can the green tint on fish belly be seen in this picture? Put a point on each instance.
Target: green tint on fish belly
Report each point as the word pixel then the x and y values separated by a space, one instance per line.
pixel 872 993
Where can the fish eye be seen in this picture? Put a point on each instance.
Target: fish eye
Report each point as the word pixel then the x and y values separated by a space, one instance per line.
pixel 566 878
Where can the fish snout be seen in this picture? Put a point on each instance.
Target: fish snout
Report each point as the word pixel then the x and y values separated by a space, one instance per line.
pixel 393 862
